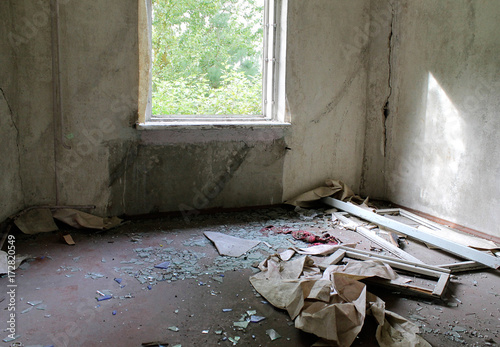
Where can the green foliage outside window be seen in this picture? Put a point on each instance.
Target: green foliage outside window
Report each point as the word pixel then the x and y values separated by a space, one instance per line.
pixel 207 57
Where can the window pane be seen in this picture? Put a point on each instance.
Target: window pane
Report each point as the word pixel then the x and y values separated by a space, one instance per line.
pixel 207 57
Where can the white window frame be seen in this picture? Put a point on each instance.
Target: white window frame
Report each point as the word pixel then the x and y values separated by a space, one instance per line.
pixel 273 84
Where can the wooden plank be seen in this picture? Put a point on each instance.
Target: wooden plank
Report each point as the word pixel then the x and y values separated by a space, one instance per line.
pixel 440 287
pixel 443 275
pixel 464 266
pixel 389 247
pixel 403 261
pixel 397 265
pixel 398 252
pixel 332 259
pixel 402 287
pixel 446 245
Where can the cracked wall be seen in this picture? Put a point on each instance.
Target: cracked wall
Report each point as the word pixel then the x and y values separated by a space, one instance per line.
pixel 443 143
pixel 378 94
pixel 326 82
pixel 27 85
pixel 101 159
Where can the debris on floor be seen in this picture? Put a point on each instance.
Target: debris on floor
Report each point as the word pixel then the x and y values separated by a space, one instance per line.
pixel 9 260
pixel 183 257
pixel 39 220
pixel 229 245
pixel 332 304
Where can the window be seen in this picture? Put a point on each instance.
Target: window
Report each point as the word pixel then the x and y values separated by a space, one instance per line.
pixel 249 78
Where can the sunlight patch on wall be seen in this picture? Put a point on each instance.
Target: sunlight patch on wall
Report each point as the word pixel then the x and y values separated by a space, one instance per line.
pixel 443 147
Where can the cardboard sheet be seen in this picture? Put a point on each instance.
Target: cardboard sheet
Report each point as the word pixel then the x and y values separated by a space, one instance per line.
pixel 230 245
pixel 4 266
pixel 36 221
pixel 81 220
pixel 334 188
pixel 332 304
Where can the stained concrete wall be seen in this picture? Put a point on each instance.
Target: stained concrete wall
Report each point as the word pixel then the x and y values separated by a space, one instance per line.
pixel 11 188
pixel 433 63
pixel 443 143
pixel 326 93
pixel 101 159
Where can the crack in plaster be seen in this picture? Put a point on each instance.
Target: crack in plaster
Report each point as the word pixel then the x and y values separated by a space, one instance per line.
pixel 11 113
pixel 385 109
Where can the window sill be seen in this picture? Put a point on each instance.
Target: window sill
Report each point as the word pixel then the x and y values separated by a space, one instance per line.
pixel 209 124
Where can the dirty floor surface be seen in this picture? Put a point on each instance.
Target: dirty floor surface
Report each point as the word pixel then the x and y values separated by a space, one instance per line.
pixel 198 297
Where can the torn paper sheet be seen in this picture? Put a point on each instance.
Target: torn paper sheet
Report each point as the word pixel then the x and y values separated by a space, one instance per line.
pixel 334 188
pixel 78 219
pixel 230 245
pixel 38 220
pixel 399 332
pixel 332 304
pixel 362 269
pixel 4 264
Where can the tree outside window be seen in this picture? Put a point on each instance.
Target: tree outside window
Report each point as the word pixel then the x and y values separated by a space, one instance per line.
pixel 207 57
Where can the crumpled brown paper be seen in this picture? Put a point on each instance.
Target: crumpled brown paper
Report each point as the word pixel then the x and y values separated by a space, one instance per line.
pixel 334 188
pixel 78 219
pixel 332 304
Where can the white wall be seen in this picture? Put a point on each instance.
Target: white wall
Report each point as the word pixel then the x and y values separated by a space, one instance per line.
pixel 443 144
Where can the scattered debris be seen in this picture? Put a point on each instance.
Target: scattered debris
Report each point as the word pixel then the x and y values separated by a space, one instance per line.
pixel 256 319
pixel 243 324
pixel 27 310
pixel 273 334
pixel 4 266
pixel 34 303
pixel 94 276
pixel 156 344
pixel 9 339
pixel 68 239
pixel 305 291
pixel 230 245
pixel 173 328
pixel 102 298
pixel 309 237
pixel 163 265
pixel 234 340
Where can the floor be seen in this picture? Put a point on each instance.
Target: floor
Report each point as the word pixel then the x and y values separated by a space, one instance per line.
pixel 197 299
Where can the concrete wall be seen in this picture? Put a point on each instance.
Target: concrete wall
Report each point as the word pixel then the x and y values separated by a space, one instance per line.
pixel 443 144
pixel 11 187
pixel 379 39
pixel 434 64
pixel 326 92
pixel 101 159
